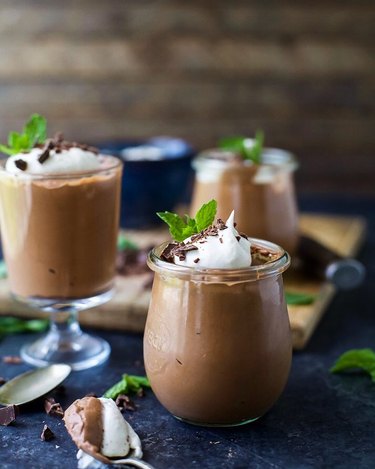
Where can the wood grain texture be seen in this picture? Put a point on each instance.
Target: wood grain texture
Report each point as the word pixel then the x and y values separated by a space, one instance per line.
pixel 303 71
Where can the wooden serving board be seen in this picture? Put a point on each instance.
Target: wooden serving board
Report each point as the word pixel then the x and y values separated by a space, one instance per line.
pixel 128 309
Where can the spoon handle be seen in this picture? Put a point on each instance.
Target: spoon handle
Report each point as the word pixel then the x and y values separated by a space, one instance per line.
pixel 133 462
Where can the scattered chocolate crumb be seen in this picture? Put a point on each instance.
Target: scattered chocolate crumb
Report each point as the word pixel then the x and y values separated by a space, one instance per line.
pixel 52 271
pixel 8 414
pixel 91 394
pixel 47 434
pixel 21 164
pixel 12 359
pixel 238 238
pixel 196 260
pixel 243 235
pixel 221 240
pixel 2 380
pixel 178 361
pixel 124 402
pixel 53 408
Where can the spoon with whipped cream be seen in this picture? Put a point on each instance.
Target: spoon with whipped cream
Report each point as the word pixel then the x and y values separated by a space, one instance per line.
pixel 102 435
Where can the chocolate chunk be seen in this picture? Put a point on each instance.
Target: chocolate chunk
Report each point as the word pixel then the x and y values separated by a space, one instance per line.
pixel 123 402
pixel 44 156
pixel 2 380
pixel 21 164
pixel 238 238
pixel 47 434
pixel 53 408
pixel 196 260
pixel 8 414
pixel 12 359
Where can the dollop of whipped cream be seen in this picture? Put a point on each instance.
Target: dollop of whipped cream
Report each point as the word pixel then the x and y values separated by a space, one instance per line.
pixel 65 161
pixel 217 247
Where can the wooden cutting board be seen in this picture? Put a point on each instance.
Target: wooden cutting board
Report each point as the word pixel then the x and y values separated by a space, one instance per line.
pixel 128 309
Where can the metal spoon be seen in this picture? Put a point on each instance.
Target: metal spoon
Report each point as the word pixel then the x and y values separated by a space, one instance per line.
pixel 33 384
pixel 129 459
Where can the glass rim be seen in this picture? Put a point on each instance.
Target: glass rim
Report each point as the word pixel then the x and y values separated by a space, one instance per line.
pixel 271 156
pixel 116 163
pixel 251 273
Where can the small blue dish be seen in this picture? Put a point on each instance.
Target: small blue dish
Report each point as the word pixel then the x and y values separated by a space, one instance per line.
pixel 157 176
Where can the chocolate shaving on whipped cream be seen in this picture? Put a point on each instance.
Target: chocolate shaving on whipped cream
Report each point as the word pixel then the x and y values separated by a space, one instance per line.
pixel 180 249
pixel 58 144
pixel 21 164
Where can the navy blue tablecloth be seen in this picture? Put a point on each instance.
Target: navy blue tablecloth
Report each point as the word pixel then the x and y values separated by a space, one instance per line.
pixel 321 420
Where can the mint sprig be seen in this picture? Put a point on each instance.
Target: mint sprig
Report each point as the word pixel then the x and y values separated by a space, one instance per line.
pixel 356 359
pixel 249 149
pixel 11 325
pixel 181 228
pixel 296 298
pixel 129 384
pixel 35 131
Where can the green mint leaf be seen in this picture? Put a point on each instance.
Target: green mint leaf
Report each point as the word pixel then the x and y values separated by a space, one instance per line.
pixel 363 359
pixel 295 298
pixel 235 143
pixel 254 151
pixel 249 149
pixel 11 325
pixel 6 150
pixel 176 224
pixel 206 215
pixel 123 243
pixel 34 131
pixel 129 384
pixel 182 228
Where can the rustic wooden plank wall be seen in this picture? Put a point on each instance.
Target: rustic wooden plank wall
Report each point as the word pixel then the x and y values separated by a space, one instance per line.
pixel 301 70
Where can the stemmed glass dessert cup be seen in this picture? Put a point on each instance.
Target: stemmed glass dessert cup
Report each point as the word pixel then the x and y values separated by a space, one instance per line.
pixel 59 234
pixel 262 195
pixel 217 342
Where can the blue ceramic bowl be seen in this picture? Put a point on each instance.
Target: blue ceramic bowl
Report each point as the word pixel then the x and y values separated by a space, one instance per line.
pixel 152 185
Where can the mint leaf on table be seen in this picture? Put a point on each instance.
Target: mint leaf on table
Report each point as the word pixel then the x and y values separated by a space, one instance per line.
pixel 11 325
pixel 34 131
pixel 249 149
pixel 129 384
pixel 181 228
pixel 124 243
pixel 296 298
pixel 356 359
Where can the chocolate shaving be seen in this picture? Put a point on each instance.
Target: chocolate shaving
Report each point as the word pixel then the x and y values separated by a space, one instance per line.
pixel 124 402
pixel 21 164
pixel 8 414
pixel 243 235
pixel 53 408
pixel 47 434
pixel 58 144
pixel 238 238
pixel 196 260
pixel 12 359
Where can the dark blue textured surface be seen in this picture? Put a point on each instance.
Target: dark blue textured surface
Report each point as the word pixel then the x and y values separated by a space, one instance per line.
pixel 321 420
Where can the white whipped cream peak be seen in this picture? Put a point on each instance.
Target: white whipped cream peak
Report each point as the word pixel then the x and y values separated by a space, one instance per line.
pixel 72 160
pixel 118 435
pixel 227 250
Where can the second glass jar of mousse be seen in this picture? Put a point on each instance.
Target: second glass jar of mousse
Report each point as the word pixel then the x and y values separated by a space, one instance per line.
pixel 217 343
pixel 262 195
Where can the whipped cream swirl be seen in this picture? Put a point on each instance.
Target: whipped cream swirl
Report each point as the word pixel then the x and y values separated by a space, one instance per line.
pixel 65 161
pixel 219 247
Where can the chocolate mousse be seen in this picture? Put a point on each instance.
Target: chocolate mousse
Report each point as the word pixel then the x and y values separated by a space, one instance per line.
pixel 217 343
pixel 59 220
pixel 262 195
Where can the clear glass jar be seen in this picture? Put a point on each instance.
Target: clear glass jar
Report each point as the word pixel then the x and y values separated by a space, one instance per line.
pixel 217 343
pixel 263 196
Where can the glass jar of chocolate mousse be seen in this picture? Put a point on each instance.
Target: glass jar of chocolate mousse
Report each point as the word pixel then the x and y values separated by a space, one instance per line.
pixel 262 195
pixel 217 342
